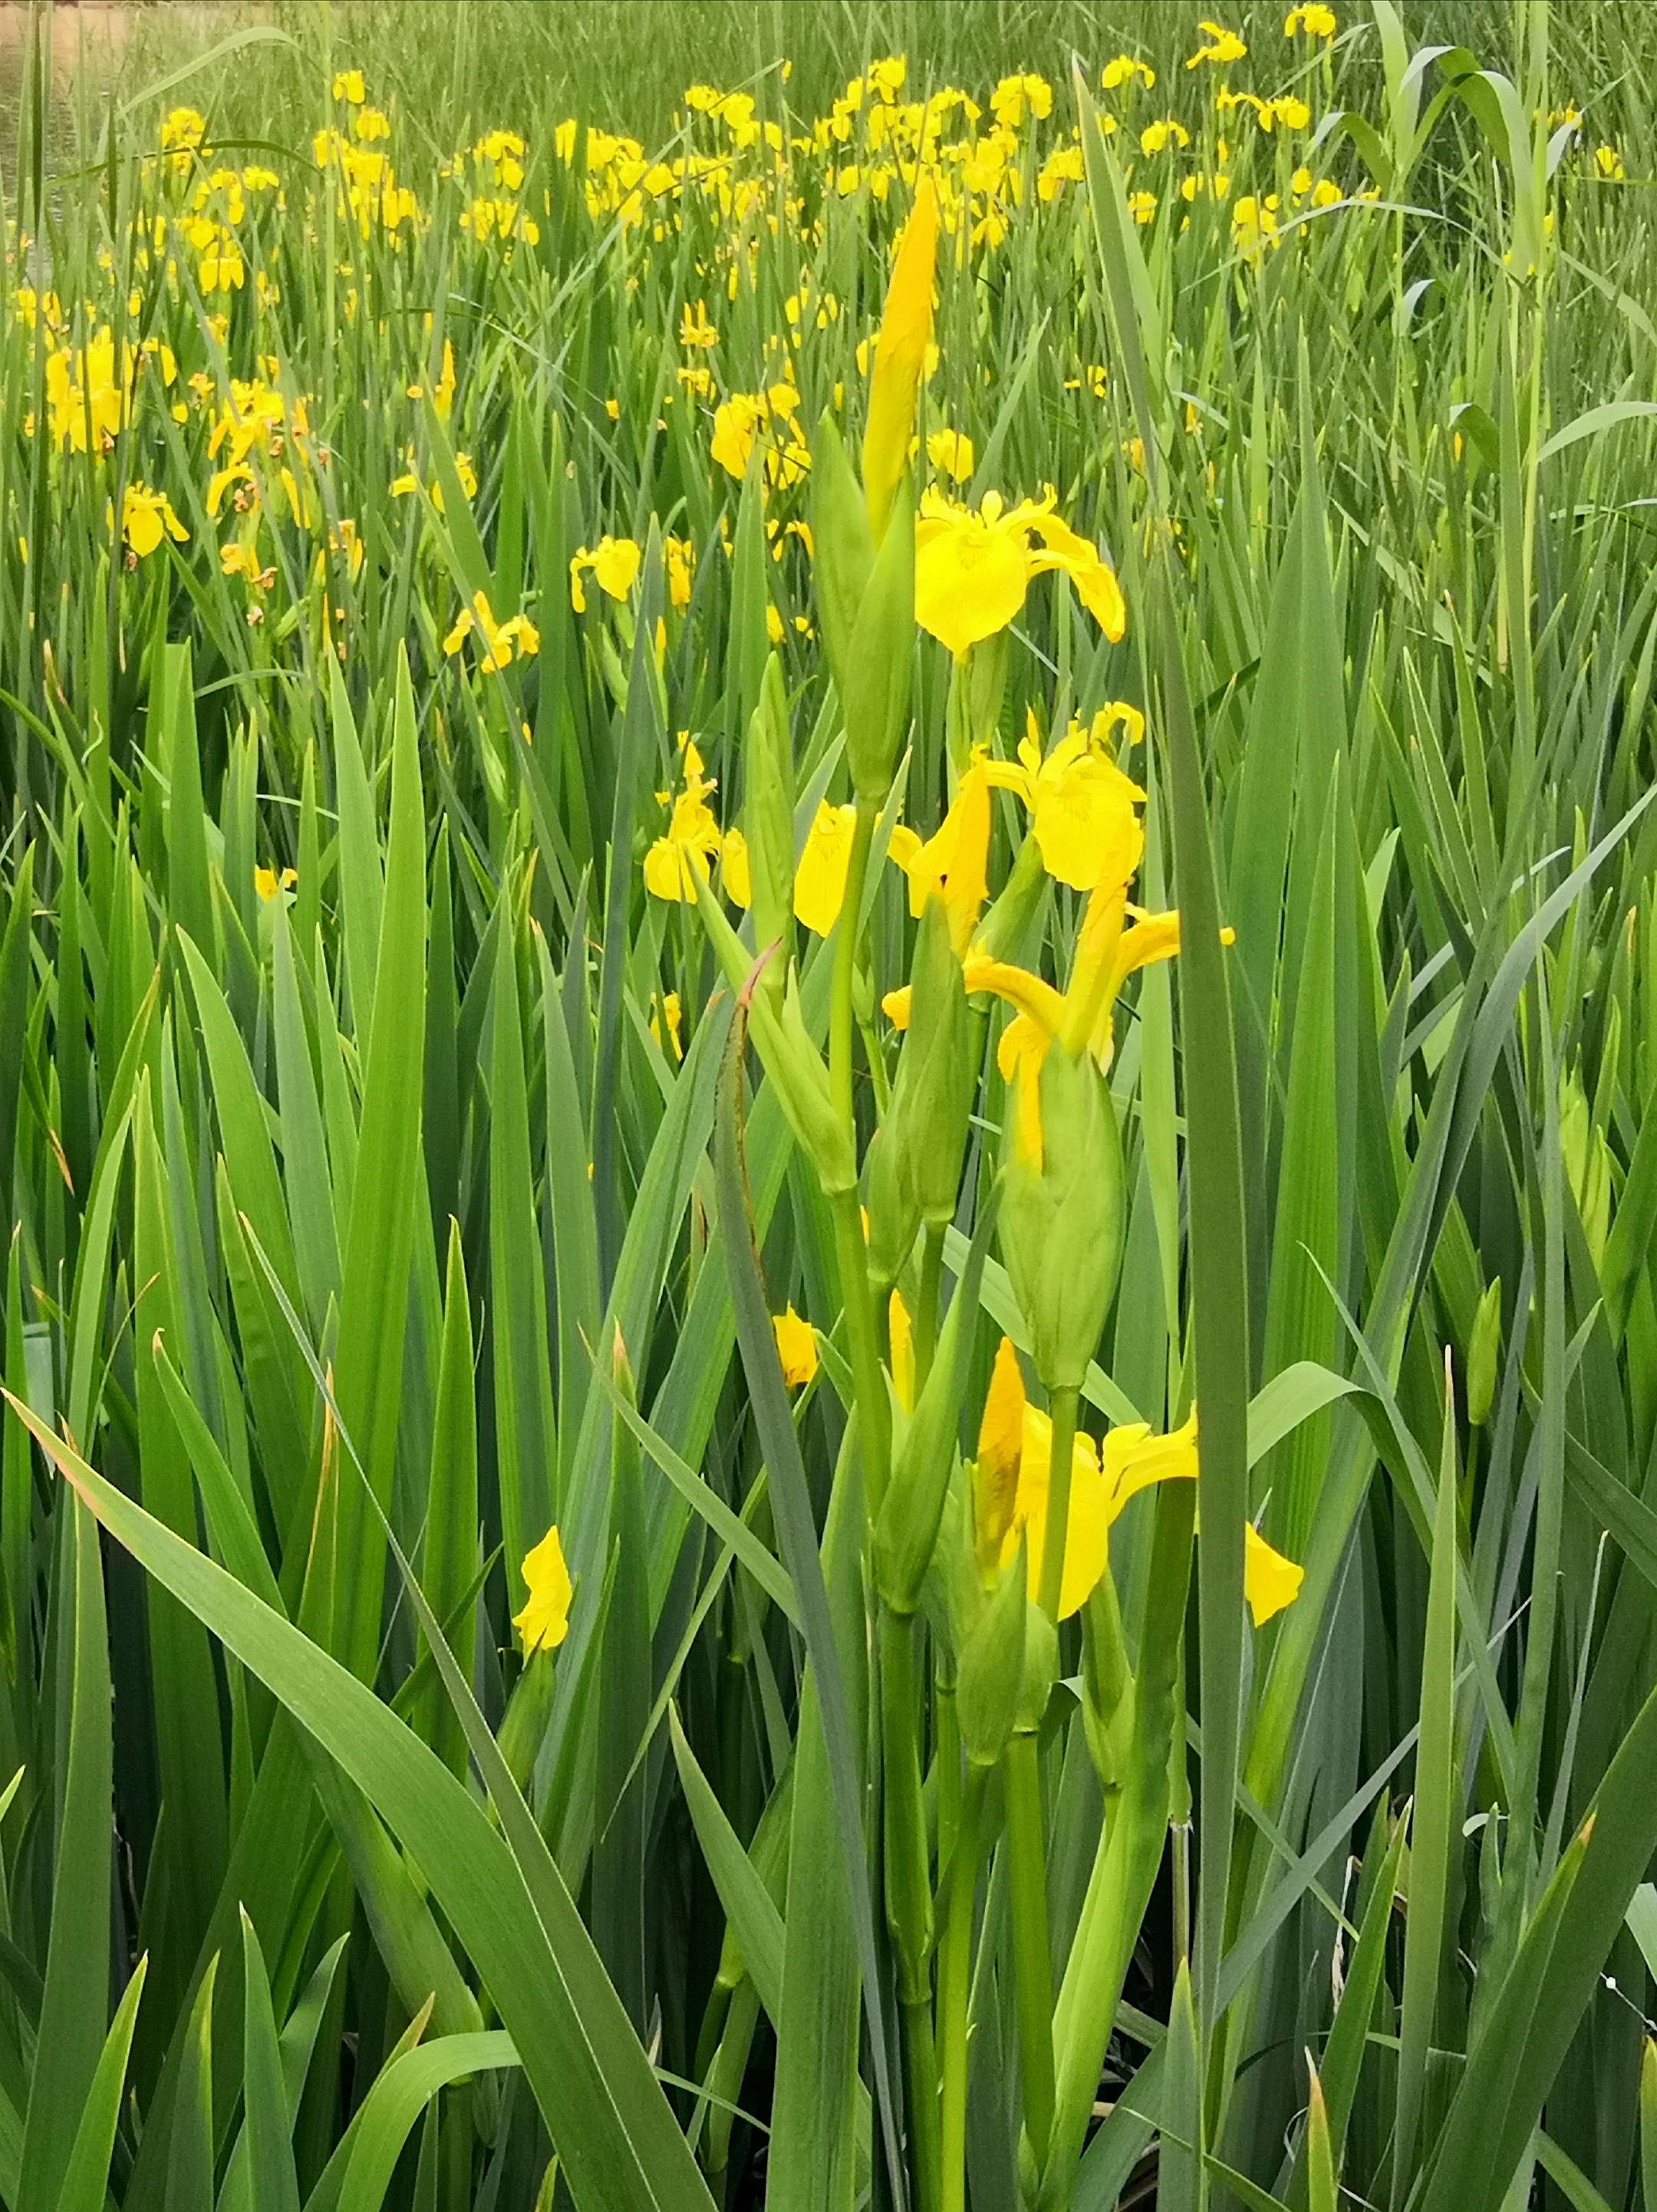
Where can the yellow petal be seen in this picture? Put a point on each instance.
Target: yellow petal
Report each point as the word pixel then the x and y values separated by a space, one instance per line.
pixel 545 1622
pixel 1134 1459
pixel 971 581
pixel 796 1348
pixel 667 875
pixel 1000 1447
pixel 1087 1532
pixel 616 566
pixel 738 880
pixel 895 1007
pixel 820 879
pixel 1085 827
pixel 1270 1581
pixel 1019 1055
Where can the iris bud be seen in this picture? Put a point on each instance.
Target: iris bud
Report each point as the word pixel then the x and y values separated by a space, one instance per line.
pixel 768 824
pixel 990 1669
pixel 1061 1214
pixel 1107 1684
pixel 874 685
pixel 1484 1351
pixel 893 1217
pixel 934 1074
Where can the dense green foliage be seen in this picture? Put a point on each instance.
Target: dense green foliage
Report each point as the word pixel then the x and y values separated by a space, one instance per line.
pixel 412 546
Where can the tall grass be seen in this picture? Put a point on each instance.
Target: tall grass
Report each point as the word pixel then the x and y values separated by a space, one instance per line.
pixel 396 1174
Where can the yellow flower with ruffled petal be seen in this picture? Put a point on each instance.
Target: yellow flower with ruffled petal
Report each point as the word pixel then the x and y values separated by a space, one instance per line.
pixel 147 517
pixel 615 567
pixel 972 570
pixel 545 1622
pixel 952 451
pixel 692 838
pixel 1010 1485
pixel 1081 804
pixel 820 879
pixel 1315 20
pixel 499 638
pixel 1223 46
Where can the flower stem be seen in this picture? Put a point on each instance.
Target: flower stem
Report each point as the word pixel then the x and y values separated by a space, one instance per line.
pixel 954 1987
pixel 1065 1405
pixel 908 1892
pixel 932 1270
pixel 1032 1954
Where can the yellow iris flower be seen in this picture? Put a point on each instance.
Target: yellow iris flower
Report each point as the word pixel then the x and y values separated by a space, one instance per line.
pixel 1080 804
pixel 693 839
pixel 973 571
pixel 545 1622
pixel 499 638
pixel 1010 1496
pixel 614 565
pixel 146 516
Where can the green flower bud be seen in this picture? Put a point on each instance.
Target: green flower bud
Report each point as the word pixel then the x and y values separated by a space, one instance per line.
pixel 1061 1215
pixel 893 1217
pixel 930 1132
pixel 843 547
pixel 990 1670
pixel 769 823
pixel 1483 1353
pixel 1107 1684
pixel 905 1535
pixel 874 695
pixel 1041 1665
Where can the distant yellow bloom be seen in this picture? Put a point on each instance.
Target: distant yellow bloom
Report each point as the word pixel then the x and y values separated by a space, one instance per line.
pixel 348 86
pixel 972 570
pixel 146 516
pixel 1011 1489
pixel 1223 46
pixel 681 568
pixel 952 451
pixel 545 1622
pixel 796 1348
pixel 1609 163
pixel 1254 224
pixel 900 358
pixel 1169 130
pixel 1315 20
pixel 1123 70
pixel 499 638
pixel 696 330
pixel 268 883
pixel 691 839
pixel 1010 97
pixel 820 879
pixel 1142 206
pixel 615 567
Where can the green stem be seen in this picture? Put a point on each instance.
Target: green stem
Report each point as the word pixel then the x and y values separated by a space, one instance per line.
pixel 932 1270
pixel 954 1986
pixel 947 1728
pixel 1032 1954
pixel 908 1891
pixel 863 1341
pixel 1064 1407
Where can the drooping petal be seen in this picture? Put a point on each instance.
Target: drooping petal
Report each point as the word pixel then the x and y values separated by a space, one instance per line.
pixel 544 1621
pixel 1087 1531
pixel 1085 825
pixel 1019 1055
pixel 796 1348
pixel 820 879
pixel 1270 1581
pixel 970 579
pixel 1134 1459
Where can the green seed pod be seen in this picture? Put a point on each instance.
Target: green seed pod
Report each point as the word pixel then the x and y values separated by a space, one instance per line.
pixel 1483 1354
pixel 930 1135
pixel 1061 1220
